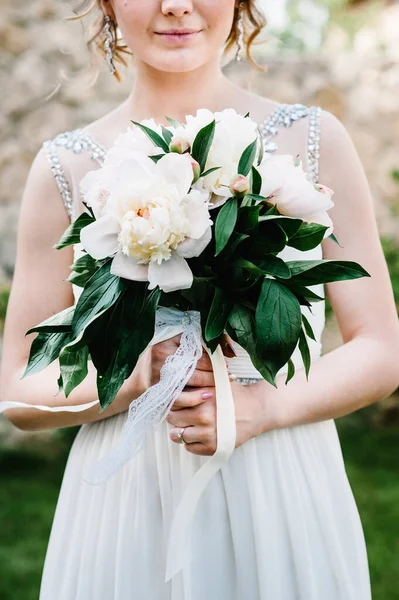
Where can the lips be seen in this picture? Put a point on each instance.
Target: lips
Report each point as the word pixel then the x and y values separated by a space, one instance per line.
pixel 178 37
pixel 182 31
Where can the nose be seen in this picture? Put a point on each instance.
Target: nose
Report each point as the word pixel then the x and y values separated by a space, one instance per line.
pixel 177 8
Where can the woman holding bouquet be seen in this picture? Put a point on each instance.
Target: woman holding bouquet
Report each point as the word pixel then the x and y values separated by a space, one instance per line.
pixel 278 520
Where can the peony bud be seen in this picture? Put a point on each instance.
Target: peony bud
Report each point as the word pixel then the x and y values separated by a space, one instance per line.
pixel 179 145
pixel 324 189
pixel 196 169
pixel 239 186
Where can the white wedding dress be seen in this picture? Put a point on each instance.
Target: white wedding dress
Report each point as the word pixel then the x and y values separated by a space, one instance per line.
pixel 277 522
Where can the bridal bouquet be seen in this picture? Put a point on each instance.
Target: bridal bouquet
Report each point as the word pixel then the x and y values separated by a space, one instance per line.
pixel 190 217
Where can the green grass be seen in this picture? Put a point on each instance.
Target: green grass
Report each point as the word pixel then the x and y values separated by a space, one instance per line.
pixel 371 459
pixel 30 481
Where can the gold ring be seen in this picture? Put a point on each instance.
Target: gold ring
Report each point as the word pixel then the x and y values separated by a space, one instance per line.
pixel 180 436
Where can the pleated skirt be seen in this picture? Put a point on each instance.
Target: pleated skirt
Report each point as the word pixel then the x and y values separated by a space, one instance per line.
pixel 278 522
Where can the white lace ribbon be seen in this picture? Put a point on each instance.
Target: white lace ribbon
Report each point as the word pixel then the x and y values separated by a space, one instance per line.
pixel 152 407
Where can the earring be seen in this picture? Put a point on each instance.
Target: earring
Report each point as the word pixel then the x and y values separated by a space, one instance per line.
pixel 108 43
pixel 240 36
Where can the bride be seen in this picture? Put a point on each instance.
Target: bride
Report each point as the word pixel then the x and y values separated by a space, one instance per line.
pixel 278 521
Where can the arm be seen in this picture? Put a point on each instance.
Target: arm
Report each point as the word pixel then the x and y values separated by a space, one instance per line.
pixel 365 368
pixel 40 290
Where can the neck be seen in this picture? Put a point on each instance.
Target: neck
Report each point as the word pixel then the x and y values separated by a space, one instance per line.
pixel 159 94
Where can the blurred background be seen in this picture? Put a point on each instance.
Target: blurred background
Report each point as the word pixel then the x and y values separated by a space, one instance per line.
pixel 340 54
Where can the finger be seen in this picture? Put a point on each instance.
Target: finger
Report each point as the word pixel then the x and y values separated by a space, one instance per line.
pixel 202 415
pixel 204 363
pixel 188 399
pixel 201 379
pixel 192 434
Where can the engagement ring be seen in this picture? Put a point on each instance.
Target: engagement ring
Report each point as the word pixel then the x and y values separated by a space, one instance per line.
pixel 180 436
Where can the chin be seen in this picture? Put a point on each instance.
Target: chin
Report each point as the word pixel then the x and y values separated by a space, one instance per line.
pixel 177 64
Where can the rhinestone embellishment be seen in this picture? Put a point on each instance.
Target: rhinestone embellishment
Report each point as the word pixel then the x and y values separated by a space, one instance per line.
pixel 78 141
pixel 313 152
pixel 283 115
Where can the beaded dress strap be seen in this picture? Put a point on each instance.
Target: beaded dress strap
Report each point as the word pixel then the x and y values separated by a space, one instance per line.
pixel 313 150
pixel 285 115
pixel 79 142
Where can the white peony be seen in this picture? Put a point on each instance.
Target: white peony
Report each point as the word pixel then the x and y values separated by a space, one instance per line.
pixel 233 133
pixel 151 222
pixel 286 185
pixel 132 143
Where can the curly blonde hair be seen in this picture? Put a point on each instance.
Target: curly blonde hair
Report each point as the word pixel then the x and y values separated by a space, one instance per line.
pixel 253 20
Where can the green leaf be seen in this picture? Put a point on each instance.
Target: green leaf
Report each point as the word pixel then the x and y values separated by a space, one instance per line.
pixel 72 234
pixel 308 236
pixel 261 147
pixel 313 272
pixel 278 324
pixel 334 239
pixel 100 293
pixel 156 157
pixel 291 371
pixel 273 265
pixel 271 239
pixel 80 279
pixel 60 385
pixel 58 323
pixel 173 122
pixel 84 263
pixel 44 350
pixel 73 367
pixel 256 181
pixel 304 350
pixel 89 209
pixel 205 173
pixel 248 265
pixel 129 332
pixel 272 210
pixel 308 328
pixel 167 135
pixel 225 222
pixel 200 291
pixel 246 116
pixel 247 159
pixel 153 136
pixel 302 292
pixel 202 144
pixel 248 219
pixel 234 240
pixel 241 327
pixel 289 225
pixel 219 313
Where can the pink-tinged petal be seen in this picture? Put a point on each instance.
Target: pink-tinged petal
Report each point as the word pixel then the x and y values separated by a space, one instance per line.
pixel 193 247
pixel 100 238
pixel 325 190
pixel 176 169
pixel 170 275
pixel 128 268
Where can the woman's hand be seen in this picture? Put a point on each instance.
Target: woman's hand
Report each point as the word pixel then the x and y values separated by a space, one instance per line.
pixel 149 366
pixel 195 409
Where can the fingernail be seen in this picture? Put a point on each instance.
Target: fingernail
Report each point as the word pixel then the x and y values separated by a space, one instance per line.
pixel 206 395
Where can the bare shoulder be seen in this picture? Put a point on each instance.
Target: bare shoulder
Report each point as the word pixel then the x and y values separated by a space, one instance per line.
pixel 340 163
pixel 333 131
